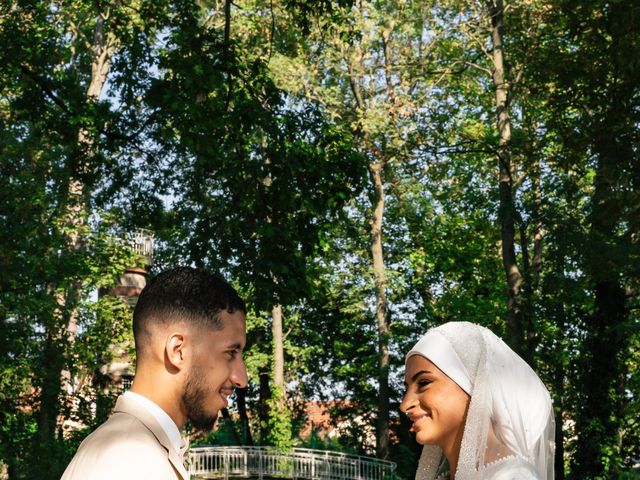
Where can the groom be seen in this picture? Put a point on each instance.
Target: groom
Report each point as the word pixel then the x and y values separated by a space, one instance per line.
pixel 189 330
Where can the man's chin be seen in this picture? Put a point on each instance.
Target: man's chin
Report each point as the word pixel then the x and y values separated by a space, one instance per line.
pixel 204 423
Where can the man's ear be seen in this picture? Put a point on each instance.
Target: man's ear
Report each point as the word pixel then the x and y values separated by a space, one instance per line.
pixel 175 351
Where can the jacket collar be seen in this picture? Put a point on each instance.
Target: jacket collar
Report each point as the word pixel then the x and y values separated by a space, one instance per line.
pixel 131 407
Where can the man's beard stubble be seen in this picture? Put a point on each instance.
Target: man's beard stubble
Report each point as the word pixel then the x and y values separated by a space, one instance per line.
pixel 193 399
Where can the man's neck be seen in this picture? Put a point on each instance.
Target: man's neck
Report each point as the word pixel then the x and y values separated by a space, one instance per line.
pixel 161 394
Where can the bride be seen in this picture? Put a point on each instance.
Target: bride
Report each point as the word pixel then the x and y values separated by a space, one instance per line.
pixel 479 410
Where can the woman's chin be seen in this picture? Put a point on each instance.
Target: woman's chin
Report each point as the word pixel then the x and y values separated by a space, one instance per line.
pixel 423 438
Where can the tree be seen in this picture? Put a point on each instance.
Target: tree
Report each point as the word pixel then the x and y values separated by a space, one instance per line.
pixel 594 96
pixel 351 69
pixel 507 209
pixel 55 64
pixel 257 179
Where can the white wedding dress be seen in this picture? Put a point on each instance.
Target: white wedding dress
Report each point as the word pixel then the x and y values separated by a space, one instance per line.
pixel 508 468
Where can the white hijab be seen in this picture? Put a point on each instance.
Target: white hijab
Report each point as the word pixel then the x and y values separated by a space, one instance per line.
pixel 505 393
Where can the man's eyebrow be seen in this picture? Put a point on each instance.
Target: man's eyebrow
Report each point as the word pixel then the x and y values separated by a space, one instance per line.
pixel 235 346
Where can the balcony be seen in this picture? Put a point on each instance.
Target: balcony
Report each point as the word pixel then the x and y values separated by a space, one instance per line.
pixel 141 242
pixel 303 463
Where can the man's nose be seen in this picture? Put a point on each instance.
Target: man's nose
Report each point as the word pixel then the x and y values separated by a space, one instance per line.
pixel 239 375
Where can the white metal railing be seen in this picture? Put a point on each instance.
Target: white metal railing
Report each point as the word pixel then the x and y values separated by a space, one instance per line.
pixel 303 463
pixel 141 241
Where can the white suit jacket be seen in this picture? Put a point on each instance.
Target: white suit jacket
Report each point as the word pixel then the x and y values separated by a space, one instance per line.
pixel 131 444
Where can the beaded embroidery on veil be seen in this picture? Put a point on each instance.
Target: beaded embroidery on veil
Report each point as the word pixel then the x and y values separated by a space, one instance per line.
pixel 506 395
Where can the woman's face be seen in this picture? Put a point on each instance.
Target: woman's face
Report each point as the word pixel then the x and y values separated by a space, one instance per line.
pixel 435 404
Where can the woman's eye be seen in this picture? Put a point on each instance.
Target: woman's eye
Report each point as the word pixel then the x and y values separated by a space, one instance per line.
pixel 423 383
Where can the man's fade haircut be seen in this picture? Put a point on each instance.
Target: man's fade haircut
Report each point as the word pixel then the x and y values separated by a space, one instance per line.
pixel 183 294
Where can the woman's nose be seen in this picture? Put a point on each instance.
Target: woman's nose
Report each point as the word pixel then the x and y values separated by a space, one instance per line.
pixel 407 403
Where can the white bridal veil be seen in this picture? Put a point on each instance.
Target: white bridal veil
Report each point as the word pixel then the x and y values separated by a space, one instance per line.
pixel 506 395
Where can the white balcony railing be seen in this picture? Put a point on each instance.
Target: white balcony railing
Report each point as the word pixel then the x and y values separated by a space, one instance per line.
pixel 303 463
pixel 141 241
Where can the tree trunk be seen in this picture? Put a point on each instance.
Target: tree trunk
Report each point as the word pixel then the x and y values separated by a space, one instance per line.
pixel 278 347
pixel 382 426
pixel 558 393
pixel 264 376
pixel 559 421
pixel 531 263
pixel 234 432
pixel 380 276
pixel 280 433
pixel 534 290
pixel 241 395
pixel 53 362
pixel 598 420
pixel 507 213
pixel 56 377
pixel 606 342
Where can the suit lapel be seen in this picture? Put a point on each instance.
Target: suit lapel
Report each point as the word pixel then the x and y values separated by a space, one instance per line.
pixel 131 407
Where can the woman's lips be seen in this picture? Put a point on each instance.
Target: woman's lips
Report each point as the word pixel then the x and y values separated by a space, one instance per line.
pixel 416 423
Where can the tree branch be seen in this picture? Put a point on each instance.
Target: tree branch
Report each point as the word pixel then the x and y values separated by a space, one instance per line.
pixel 45 89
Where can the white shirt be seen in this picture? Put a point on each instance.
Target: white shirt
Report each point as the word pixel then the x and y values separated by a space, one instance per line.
pixel 165 421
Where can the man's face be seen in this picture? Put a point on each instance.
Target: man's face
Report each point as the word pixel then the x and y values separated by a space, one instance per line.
pixel 217 369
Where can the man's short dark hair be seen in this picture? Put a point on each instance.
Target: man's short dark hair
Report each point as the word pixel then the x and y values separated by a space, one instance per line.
pixel 183 294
